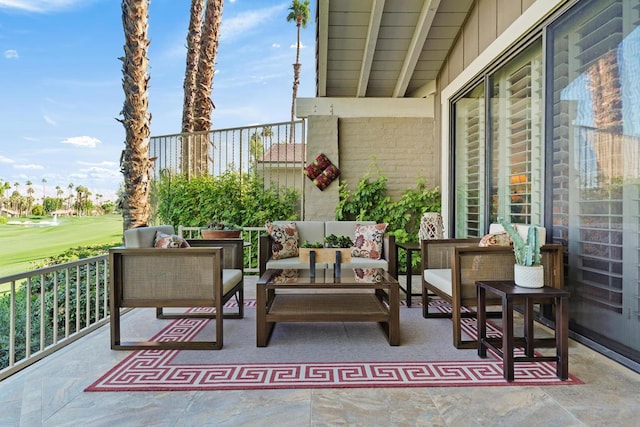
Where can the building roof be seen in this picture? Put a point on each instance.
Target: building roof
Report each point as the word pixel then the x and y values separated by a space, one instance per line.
pixel 284 153
pixel 373 48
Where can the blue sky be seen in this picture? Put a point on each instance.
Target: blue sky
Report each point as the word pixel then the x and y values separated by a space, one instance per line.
pixel 61 91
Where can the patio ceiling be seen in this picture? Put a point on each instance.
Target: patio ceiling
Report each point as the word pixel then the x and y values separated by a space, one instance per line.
pixel 388 49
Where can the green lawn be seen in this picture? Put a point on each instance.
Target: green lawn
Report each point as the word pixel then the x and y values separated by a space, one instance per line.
pixel 22 245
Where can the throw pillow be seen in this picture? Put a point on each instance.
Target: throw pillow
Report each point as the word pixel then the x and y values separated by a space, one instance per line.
pixel 368 241
pixel 367 275
pixel 285 240
pixel 495 239
pixel 165 241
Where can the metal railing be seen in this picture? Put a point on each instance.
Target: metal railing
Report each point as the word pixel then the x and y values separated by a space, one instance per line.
pixel 46 309
pixel 264 150
pixel 49 308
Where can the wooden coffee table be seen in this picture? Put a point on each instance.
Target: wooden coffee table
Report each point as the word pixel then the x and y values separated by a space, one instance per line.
pixel 293 296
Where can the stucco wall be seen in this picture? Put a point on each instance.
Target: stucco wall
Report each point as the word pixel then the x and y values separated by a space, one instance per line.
pixel 322 137
pixel 404 149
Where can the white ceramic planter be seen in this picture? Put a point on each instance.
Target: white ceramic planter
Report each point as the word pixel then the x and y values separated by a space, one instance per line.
pixel 528 276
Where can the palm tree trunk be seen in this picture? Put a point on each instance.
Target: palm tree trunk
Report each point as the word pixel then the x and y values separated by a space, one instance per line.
pixel 203 106
pixel 193 53
pixel 296 82
pixel 134 161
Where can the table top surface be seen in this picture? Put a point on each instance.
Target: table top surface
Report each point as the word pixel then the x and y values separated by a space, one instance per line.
pixel 509 288
pixel 326 276
pixel 409 245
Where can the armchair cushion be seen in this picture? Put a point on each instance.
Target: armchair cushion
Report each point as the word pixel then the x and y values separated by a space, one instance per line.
pixel 285 240
pixel 165 241
pixel 368 241
pixel 144 237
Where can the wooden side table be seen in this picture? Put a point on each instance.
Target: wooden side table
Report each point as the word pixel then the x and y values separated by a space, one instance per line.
pixel 410 247
pixel 510 294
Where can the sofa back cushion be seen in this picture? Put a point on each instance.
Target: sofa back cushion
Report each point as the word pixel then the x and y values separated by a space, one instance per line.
pixel 144 237
pixel 311 231
pixel 344 228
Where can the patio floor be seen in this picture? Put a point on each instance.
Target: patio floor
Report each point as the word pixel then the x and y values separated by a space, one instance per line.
pixel 50 393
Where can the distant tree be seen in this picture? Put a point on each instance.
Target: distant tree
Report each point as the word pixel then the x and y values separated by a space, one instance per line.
pixel 44 189
pixel 134 161
pixel 255 148
pixel 30 197
pixel 70 187
pixel 299 13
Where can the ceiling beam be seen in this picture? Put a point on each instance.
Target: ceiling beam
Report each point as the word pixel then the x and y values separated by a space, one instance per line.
pixel 322 44
pixel 423 26
pixel 370 47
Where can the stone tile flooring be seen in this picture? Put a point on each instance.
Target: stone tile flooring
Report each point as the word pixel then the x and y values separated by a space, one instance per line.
pixel 50 393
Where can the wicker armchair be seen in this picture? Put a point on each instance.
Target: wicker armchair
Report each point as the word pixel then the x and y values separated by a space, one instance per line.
pixel 452 266
pixel 208 274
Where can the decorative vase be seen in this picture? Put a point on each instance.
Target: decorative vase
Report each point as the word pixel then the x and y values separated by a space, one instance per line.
pixel 431 226
pixel 220 234
pixel 528 276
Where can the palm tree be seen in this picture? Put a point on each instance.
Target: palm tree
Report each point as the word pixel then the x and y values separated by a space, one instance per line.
pixel 44 190
pixel 299 12
pixel 30 192
pixel 255 149
pixel 203 106
pixel 134 161
pixel 193 53
pixel 70 187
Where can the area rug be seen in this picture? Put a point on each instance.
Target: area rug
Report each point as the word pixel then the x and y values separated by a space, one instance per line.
pixel 319 355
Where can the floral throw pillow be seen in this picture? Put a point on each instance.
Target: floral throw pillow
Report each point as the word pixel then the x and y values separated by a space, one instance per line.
pixel 368 241
pixel 165 241
pixel 495 239
pixel 285 240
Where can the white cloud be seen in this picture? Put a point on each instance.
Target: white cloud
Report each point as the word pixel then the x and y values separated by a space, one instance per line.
pixel 29 166
pixel 40 6
pixel 82 141
pixel 302 46
pixel 276 45
pixel 4 159
pixel 49 120
pixel 243 22
pixel 11 53
pixel 103 163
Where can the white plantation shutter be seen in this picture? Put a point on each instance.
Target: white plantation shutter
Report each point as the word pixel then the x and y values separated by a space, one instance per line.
pixel 470 164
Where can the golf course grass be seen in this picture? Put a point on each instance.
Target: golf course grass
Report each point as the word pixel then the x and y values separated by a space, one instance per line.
pixel 24 244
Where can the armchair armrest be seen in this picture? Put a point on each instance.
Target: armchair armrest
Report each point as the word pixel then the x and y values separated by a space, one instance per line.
pixel 233 250
pixel 390 253
pixel 264 252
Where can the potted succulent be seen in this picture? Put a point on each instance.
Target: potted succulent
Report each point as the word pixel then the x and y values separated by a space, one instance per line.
pixel 528 271
pixel 219 230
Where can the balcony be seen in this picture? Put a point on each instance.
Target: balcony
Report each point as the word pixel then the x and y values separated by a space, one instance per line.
pixel 51 391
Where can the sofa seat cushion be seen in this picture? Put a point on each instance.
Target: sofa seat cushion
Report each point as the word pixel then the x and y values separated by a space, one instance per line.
pixel 230 278
pixel 367 263
pixel 439 278
pixel 291 263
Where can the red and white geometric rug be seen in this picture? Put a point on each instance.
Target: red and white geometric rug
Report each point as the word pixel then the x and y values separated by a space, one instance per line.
pixel 155 370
